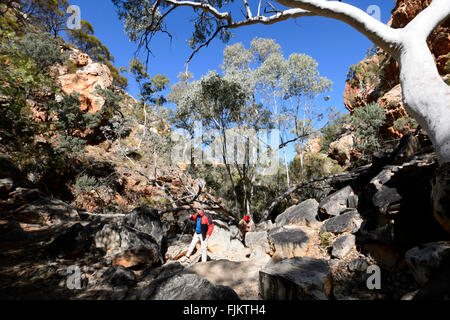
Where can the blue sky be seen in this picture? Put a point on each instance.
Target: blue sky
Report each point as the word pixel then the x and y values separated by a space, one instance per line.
pixel 332 43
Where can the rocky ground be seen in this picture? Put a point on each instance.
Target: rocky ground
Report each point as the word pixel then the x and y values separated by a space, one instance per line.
pixel 374 220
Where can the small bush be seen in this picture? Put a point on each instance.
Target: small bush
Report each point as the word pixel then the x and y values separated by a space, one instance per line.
pixel 43 48
pixel 85 183
pixel 368 121
pixel 405 124
pixel 315 165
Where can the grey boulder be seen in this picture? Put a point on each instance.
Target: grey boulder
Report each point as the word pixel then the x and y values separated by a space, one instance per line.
pixel 296 279
pixel 304 213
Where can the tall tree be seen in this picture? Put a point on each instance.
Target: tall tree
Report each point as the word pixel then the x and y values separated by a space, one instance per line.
pixel 303 84
pixel 425 94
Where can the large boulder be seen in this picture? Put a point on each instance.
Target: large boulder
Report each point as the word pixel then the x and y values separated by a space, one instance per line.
pixel 147 220
pixel 220 240
pixel 257 239
pixel 348 222
pixel 425 259
pixel 337 202
pixel 178 248
pixel 304 213
pixel 84 81
pixel 187 286
pixel 288 242
pixel 72 242
pixel 341 150
pixel 386 197
pixel 409 145
pixel 296 279
pixel 129 247
pixel 119 276
pixel 48 211
pixel 343 245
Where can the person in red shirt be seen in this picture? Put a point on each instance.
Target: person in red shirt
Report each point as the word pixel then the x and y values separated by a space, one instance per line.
pixel 204 227
pixel 245 226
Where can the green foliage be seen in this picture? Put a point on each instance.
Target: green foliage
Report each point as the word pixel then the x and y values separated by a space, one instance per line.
pixel 72 122
pixel 405 124
pixel 368 121
pixel 42 48
pixel 148 86
pixel 325 240
pixel 85 183
pixel 315 165
pixel 364 73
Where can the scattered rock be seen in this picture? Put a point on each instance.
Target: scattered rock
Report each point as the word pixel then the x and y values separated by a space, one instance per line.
pixel 187 286
pixel 385 197
pixel 337 202
pixel 146 220
pixel 343 245
pixel 119 276
pixel 178 248
pixel 409 145
pixel 296 279
pixel 304 213
pixel 348 222
pixel 72 242
pixel 359 265
pixel 341 150
pixel 425 259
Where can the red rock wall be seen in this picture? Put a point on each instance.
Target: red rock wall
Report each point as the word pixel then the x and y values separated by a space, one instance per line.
pixel 388 91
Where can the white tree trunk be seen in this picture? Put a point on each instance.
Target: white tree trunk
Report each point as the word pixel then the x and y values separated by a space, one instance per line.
pixel 425 95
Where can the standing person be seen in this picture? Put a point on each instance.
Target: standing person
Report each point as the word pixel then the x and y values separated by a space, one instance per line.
pixel 204 227
pixel 245 226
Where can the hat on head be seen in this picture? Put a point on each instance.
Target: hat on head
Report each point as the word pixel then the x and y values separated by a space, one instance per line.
pixel 247 218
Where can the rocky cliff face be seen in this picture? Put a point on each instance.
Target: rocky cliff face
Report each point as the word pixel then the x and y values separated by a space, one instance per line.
pixel 376 78
pixel 84 80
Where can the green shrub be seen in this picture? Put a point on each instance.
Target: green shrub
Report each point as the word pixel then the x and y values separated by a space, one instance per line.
pixel 315 165
pixel 325 240
pixel 43 49
pixel 85 183
pixel 405 124
pixel 368 121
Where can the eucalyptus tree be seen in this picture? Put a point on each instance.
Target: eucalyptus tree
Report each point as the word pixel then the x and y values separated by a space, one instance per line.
pixel 425 94
pixel 225 109
pixel 303 84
